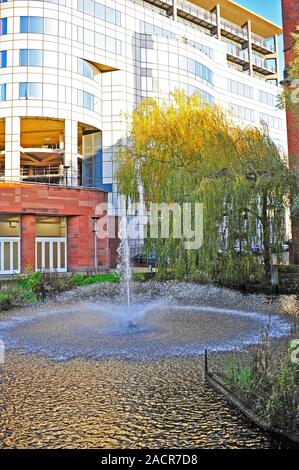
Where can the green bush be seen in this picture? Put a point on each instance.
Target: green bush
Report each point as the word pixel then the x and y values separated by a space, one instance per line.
pixel 34 286
pixel 6 300
pixel 270 389
pixel 141 277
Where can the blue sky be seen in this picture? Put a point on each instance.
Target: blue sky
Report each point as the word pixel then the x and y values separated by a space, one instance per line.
pixel 270 9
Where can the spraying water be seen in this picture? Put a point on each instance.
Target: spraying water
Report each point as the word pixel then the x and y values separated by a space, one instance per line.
pixel 124 266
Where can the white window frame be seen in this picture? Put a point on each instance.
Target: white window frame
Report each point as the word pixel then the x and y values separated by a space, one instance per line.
pixel 10 240
pixel 51 240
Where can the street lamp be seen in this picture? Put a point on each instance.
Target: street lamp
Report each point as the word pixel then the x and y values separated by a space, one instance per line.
pixel 95 219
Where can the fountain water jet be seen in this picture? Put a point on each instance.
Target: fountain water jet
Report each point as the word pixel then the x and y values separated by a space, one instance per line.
pixel 124 266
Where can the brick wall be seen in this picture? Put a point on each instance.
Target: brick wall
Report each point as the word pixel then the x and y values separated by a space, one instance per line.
pixel 78 204
pixel 290 11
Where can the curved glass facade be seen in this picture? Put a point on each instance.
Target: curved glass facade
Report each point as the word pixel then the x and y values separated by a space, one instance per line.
pixel 71 70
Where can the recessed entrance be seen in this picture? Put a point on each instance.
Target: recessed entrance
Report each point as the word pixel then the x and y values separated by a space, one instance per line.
pixel 42 150
pixel 51 244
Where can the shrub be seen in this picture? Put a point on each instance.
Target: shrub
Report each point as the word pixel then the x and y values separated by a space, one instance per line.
pixel 6 300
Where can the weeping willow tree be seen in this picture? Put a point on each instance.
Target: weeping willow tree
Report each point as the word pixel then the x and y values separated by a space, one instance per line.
pixel 185 151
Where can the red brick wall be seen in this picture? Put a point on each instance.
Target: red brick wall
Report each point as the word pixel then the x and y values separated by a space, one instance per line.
pixel 290 10
pixel 290 13
pixel 28 242
pixel 78 204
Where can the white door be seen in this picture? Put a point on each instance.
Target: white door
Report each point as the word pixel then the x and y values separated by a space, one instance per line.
pixel 9 255
pixel 51 254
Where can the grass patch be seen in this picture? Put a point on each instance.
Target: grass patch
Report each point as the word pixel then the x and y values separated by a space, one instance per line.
pixel 85 280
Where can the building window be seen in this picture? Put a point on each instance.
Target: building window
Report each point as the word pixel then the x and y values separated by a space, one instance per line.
pixel 240 89
pixel 108 44
pixel 85 68
pixel 268 98
pixel 38 24
pixel 271 121
pixel 30 90
pixel 240 112
pixel 31 57
pixel 196 69
pixel 3 59
pixel 3 92
pixel 3 26
pixel 59 2
pixel 151 29
pixel 86 100
pixel 90 7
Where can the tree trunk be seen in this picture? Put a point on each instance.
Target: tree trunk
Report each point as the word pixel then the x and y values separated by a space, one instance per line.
pixel 266 232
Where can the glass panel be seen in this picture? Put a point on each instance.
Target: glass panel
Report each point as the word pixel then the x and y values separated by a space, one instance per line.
pixel 3 26
pixel 47 255
pixel 100 11
pixel 6 256
pixel 15 256
pixel 9 226
pixel 34 90
pixel 35 57
pixel 50 226
pixel 3 59
pixel 62 255
pixel 39 255
pixel 51 26
pixel 35 24
pixel 3 92
pixel 23 24
pixel 55 255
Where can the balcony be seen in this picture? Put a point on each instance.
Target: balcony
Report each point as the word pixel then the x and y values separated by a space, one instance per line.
pixel 261 45
pixel 263 67
pixel 234 32
pixel 237 54
pixel 164 5
pixel 208 20
pixel 197 15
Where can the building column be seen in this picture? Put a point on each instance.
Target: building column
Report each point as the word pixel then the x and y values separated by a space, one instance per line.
pixel 175 10
pixel 218 17
pixel 12 148
pixel 27 242
pixel 71 152
pixel 276 46
pixel 250 53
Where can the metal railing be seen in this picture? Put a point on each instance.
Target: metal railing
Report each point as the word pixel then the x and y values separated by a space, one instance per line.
pixel 263 43
pixel 58 175
pixel 197 12
pixel 234 29
pixel 236 51
pixel 264 64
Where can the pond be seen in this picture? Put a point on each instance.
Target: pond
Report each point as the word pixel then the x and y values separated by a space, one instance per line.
pixel 91 374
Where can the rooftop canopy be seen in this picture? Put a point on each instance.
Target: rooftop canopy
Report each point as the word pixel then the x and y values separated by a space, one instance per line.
pixel 239 15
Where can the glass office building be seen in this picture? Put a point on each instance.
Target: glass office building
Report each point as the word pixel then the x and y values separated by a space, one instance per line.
pixel 70 71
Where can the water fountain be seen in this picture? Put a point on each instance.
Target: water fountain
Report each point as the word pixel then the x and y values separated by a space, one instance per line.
pixel 124 267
